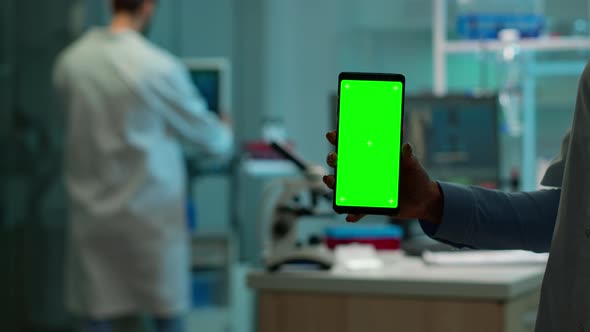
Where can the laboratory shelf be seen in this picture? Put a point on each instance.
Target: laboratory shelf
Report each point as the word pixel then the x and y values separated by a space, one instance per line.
pixel 533 44
pixel 212 250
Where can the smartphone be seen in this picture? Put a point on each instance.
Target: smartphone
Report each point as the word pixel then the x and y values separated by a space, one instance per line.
pixel 370 114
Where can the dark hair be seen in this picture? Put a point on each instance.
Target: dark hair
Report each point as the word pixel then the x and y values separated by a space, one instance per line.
pixel 131 6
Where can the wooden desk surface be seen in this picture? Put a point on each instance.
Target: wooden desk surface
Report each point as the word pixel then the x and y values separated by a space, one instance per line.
pixel 410 277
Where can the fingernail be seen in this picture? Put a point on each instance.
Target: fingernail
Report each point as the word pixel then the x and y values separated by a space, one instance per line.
pixel 407 150
pixel 331 158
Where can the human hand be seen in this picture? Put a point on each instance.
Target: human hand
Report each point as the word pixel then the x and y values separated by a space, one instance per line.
pixel 420 196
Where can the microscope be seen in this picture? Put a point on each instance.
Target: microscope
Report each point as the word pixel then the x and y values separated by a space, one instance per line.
pixel 297 198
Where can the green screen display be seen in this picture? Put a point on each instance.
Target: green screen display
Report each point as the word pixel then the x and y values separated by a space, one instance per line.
pixel 369 134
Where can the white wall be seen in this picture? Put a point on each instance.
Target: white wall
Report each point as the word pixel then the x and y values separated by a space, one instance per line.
pixel 310 42
pixel 302 69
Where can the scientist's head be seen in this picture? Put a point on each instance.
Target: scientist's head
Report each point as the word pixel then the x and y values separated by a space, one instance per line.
pixel 133 14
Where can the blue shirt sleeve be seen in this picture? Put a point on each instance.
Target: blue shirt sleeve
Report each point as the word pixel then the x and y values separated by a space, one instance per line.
pixel 490 219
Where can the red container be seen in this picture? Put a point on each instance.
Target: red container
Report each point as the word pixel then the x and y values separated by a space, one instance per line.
pixel 263 150
pixel 378 243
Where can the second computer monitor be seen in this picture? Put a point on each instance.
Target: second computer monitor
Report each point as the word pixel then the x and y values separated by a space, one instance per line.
pixel 455 137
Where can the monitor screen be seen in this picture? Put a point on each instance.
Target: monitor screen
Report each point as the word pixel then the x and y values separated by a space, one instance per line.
pixel 455 137
pixel 212 78
pixel 208 82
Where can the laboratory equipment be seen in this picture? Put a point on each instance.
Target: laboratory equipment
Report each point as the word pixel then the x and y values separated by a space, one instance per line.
pixel 455 137
pixel 212 78
pixel 297 198
pixel 273 129
pixel 510 94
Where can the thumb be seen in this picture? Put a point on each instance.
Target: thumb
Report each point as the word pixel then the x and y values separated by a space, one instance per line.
pixel 407 150
pixel 407 154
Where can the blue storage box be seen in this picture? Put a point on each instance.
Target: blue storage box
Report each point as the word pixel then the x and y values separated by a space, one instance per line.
pixel 382 237
pixel 365 231
pixel 487 26
pixel 203 286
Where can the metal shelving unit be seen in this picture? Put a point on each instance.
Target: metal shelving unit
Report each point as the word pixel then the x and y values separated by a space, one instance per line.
pixel 537 44
pixel 442 48
pixel 215 252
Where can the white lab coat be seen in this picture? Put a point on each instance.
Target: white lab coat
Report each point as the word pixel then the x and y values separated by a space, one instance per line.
pixel 128 106
pixel 565 297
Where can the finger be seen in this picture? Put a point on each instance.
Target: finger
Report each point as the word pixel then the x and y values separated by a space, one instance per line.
pixel 354 217
pixel 332 159
pixel 407 150
pixel 330 181
pixel 407 153
pixel 331 136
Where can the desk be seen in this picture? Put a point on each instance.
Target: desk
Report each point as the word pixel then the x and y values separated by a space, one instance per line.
pixel 405 296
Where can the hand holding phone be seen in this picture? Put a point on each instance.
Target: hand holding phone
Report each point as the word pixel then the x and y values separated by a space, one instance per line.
pixel 365 177
pixel 420 196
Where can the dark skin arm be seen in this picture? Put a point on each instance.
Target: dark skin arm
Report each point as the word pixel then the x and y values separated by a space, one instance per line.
pixel 420 196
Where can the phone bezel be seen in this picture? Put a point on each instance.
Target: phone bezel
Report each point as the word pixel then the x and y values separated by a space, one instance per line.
pixel 358 76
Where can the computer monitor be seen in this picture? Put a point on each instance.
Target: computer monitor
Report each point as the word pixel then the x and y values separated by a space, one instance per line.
pixel 212 77
pixel 455 137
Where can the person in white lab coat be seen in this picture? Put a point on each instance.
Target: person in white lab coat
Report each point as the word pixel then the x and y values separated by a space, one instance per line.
pixel 129 106
pixel 555 220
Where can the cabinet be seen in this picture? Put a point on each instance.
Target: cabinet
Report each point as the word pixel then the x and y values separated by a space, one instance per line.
pixel 301 312
pixel 406 295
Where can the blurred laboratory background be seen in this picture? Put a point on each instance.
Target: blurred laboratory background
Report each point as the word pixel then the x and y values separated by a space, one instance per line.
pixel 490 93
